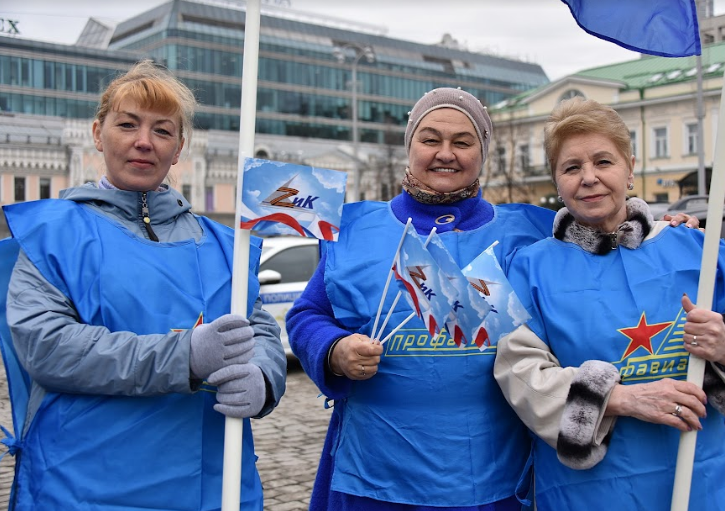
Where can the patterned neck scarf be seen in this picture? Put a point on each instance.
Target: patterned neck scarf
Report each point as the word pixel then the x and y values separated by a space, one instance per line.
pixel 426 195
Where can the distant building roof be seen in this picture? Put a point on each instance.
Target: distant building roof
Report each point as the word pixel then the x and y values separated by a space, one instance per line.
pixel 649 71
pixel 223 20
pixel 645 72
pixel 95 34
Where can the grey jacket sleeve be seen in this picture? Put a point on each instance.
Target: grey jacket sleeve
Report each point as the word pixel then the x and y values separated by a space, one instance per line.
pixel 63 355
pixel 269 355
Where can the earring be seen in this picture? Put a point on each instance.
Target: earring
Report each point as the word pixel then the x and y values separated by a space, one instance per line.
pixel 630 186
pixel 558 198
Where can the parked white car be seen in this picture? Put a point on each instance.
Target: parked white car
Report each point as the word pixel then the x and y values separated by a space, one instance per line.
pixel 286 265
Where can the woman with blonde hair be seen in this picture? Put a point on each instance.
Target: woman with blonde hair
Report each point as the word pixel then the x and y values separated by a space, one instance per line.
pixel 598 373
pixel 118 306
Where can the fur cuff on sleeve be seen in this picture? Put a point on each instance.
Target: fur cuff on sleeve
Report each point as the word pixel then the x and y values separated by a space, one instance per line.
pixel 576 446
pixel 714 387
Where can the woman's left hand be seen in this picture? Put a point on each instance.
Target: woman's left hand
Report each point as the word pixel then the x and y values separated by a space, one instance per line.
pixel 682 218
pixel 704 332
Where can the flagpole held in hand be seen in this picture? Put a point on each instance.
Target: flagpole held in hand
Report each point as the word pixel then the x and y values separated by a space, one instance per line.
pixel 706 285
pixel 376 335
pixel 401 325
pixel 387 316
pixel 233 427
pixel 390 276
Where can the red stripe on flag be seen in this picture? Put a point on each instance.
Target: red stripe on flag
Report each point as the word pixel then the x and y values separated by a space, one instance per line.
pixel 432 325
pixel 482 338
pixel 281 218
pixel 410 289
pixel 326 229
pixel 457 335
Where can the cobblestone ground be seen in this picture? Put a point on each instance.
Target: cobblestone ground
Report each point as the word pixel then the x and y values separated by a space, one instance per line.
pixel 288 443
pixel 7 464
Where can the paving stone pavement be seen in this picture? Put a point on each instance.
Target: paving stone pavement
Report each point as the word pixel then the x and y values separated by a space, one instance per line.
pixel 288 443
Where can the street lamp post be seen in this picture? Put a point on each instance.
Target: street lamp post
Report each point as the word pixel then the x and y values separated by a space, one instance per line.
pixel 360 52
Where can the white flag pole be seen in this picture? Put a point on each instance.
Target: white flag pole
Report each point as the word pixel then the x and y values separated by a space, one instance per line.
pixel 401 325
pixel 390 275
pixel 233 427
pixel 400 293
pixel 706 286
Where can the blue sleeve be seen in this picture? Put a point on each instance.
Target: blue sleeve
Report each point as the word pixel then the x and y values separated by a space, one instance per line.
pixel 311 329
pixel 518 276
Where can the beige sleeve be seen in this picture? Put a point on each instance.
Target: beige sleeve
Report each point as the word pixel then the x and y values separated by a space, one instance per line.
pixel 536 386
pixel 533 382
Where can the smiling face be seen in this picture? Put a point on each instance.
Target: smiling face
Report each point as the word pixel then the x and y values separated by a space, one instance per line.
pixel 445 152
pixel 592 175
pixel 139 146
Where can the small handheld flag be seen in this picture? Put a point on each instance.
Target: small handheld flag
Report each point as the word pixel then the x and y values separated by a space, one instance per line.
pixel 507 312
pixel 469 309
pixel 427 289
pixel 284 198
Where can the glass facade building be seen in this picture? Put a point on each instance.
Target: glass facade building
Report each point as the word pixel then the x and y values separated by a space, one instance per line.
pixel 307 63
pixel 304 90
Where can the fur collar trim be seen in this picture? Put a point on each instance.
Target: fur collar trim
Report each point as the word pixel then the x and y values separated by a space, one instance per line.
pixel 629 234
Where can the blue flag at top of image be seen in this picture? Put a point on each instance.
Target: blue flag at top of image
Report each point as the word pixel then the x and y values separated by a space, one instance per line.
pixel 667 28
pixel 484 273
pixel 283 198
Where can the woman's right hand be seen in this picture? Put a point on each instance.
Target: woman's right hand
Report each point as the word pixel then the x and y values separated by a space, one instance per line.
pixel 659 402
pixel 356 356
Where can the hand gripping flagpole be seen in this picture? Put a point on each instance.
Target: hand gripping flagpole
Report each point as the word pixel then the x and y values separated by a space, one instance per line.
pixel 233 427
pixel 710 251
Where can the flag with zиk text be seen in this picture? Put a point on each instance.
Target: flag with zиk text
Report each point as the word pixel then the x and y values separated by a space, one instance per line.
pixel 507 312
pixel 465 320
pixel 425 287
pixel 284 198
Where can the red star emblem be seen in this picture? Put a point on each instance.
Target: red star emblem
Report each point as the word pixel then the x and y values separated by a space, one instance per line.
pixel 641 335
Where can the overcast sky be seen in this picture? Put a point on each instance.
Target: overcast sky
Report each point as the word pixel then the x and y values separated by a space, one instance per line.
pixel 539 31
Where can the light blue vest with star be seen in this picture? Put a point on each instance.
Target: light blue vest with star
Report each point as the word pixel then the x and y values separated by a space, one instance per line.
pixel 161 453
pixel 624 308
pixel 431 428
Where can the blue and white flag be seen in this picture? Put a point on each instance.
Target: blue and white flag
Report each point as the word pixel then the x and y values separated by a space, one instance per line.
pixel 507 312
pixel 284 198
pixel 667 28
pixel 427 289
pixel 465 320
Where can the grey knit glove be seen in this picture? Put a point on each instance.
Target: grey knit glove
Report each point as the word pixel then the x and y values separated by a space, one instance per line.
pixel 241 390
pixel 226 340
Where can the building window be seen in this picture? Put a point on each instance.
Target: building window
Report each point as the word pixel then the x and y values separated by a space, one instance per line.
pixel 691 142
pixel 660 140
pixel 571 93
pixel 500 162
pixel 44 189
pixel 209 198
pixel 186 192
pixel 633 139
pixel 524 158
pixel 19 189
pixel 662 197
